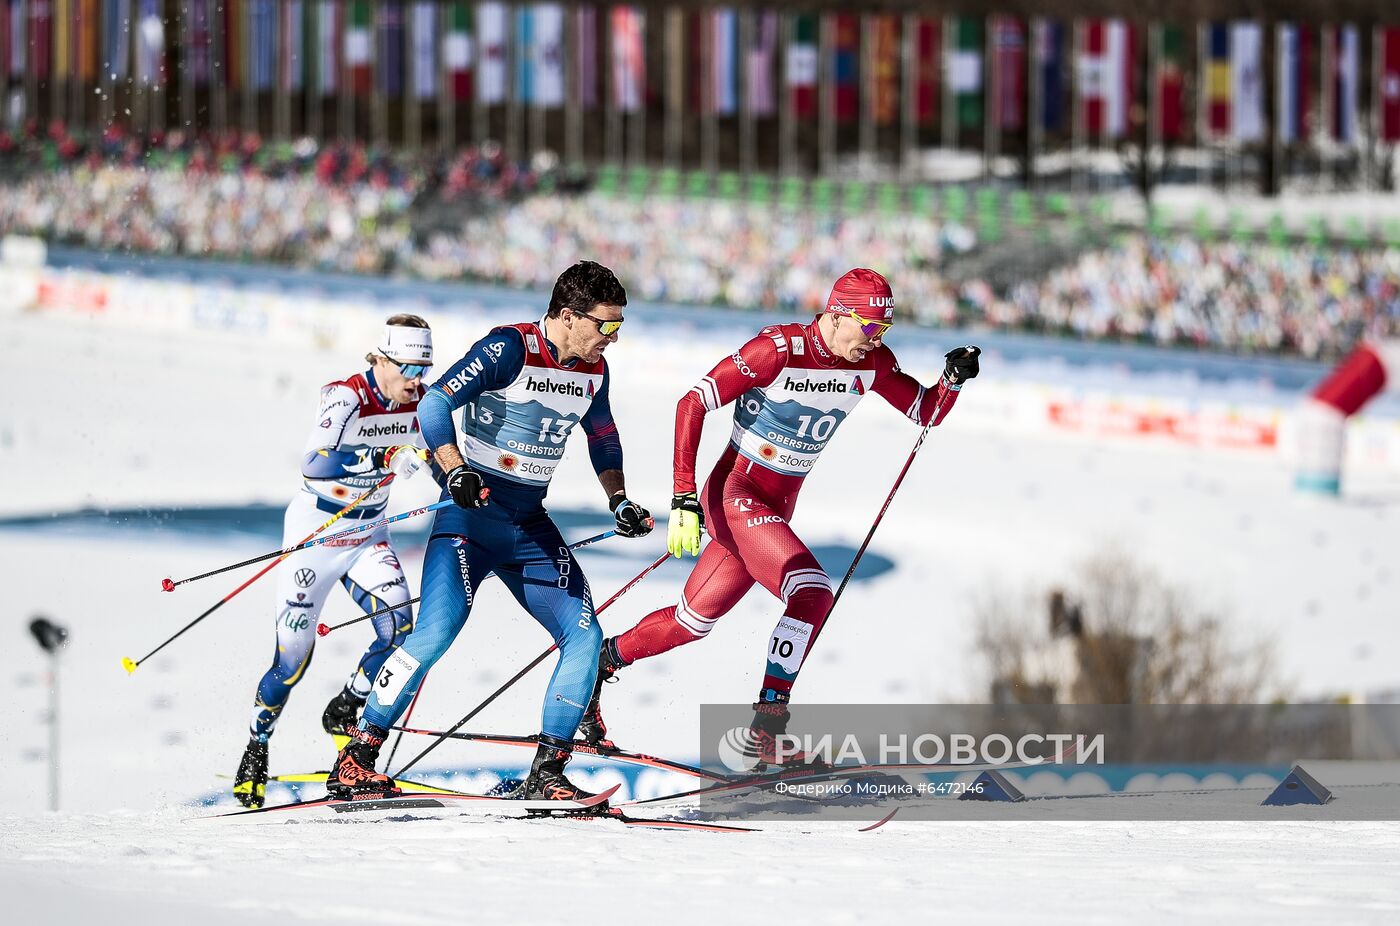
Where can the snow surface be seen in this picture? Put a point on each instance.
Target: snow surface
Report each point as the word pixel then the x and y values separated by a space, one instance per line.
pixel 136 868
pixel 216 420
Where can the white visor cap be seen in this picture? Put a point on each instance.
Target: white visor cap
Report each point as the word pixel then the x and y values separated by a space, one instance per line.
pixel 407 345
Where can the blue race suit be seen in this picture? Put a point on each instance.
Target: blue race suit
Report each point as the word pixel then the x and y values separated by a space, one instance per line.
pixel 520 405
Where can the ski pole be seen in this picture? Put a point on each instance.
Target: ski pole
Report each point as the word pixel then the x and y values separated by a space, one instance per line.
pixel 169 585
pixel 525 671
pixel 323 629
pixel 407 714
pixel 885 507
pixel 130 665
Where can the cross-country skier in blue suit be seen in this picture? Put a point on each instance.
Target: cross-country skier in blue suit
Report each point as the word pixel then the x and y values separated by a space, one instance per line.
pixel 522 389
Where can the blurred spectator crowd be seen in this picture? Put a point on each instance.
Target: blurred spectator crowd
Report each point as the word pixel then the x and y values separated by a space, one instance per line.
pixel 346 208
pixel 233 196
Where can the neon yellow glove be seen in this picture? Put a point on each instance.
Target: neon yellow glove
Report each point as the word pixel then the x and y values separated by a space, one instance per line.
pixel 683 536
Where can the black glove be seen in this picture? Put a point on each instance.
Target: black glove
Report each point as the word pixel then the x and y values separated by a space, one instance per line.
pixel 688 502
pixel 961 365
pixel 464 485
pixel 632 519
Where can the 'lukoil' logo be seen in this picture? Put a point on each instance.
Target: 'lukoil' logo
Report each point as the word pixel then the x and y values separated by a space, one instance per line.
pixel 885 305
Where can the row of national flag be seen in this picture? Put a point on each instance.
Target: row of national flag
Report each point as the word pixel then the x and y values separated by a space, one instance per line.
pixel 1098 80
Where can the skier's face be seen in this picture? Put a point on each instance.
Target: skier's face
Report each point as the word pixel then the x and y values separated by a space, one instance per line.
pixel 850 340
pixel 585 338
pixel 391 381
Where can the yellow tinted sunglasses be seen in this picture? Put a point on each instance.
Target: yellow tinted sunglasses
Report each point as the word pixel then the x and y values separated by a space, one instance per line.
pixel 869 328
pixel 605 328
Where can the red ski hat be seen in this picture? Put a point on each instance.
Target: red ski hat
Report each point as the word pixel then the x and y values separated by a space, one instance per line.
pixel 863 292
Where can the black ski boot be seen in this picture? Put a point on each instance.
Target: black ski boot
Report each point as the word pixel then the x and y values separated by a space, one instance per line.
pixel 250 783
pixel 770 720
pixel 547 781
pixel 592 730
pixel 342 714
pixel 354 775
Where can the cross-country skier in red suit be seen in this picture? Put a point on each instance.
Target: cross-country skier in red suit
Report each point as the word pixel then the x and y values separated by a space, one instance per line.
pixel 793 385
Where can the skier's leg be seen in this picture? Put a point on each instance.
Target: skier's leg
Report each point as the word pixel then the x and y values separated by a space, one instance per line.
pixel 778 559
pixel 452 568
pixel 547 581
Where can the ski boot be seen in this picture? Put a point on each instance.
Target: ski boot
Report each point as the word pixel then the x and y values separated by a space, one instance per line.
pixel 547 781
pixel 591 729
pixel 250 783
pixel 341 716
pixel 353 775
pixel 770 720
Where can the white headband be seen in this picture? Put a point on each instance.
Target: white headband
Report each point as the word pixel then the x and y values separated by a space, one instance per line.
pixel 407 345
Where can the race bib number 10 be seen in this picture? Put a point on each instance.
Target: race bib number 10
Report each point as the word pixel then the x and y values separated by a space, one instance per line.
pixel 788 646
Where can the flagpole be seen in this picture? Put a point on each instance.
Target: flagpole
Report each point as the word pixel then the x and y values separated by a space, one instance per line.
pixel 248 69
pixel 159 84
pixel 445 135
pixel 1156 51
pixel 782 87
pixel 907 88
pixel 345 90
pixel 704 73
pixel 866 87
pixel 535 129
pixel 573 104
pixel 60 27
pixel 138 48
pixel 106 66
pixel 480 116
pixel 741 64
pixel 675 84
pixel 73 97
pixel 991 96
pixel 826 125
pixel 945 86
pixel 1076 120
pixel 638 122
pixel 378 103
pixel 1204 141
pixel 186 66
pixel 282 76
pixel 1035 96
pixel 1323 137
pixel 1272 148
pixel 311 77
pixel 612 119
pixel 514 73
pixel 412 104
pixel 1373 112
pixel 218 71
pixel 31 73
